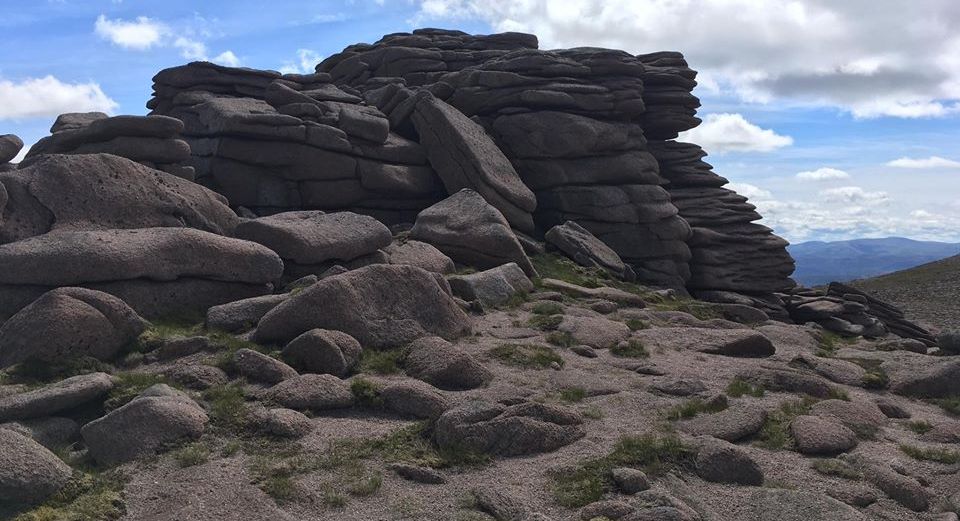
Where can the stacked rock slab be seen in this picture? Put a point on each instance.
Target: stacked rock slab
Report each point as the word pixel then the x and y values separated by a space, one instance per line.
pixel 153 141
pixel 273 142
pixel 891 316
pixel 730 252
pixel 569 121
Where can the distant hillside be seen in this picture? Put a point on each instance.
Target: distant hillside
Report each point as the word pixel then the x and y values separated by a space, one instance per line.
pixel 822 262
pixel 929 293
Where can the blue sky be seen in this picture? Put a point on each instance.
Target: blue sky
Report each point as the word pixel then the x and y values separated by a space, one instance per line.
pixel 838 121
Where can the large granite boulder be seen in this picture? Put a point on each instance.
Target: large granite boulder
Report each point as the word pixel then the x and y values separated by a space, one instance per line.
pixel 470 231
pixel 69 323
pixel 100 191
pixel 29 473
pixel 443 365
pixel 464 156
pixel 156 271
pixel 381 306
pixel 323 351
pixel 10 146
pixel 517 430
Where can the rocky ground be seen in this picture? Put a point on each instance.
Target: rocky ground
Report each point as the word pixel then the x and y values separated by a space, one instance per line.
pixel 927 292
pixel 559 406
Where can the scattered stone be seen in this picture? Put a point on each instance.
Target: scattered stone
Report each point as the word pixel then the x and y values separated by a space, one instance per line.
pixel 903 489
pixel 604 306
pixel 586 250
pixel 839 371
pixel 470 231
pixel 259 367
pixel 858 496
pixel 197 376
pixel 629 481
pixel 815 435
pixel 860 416
pixel 323 351
pixel 904 344
pixel 283 423
pixel 679 386
pixel 418 474
pixel 723 462
pixel 727 342
pixel 29 473
pixel 493 287
pixel 787 380
pixel 436 361
pixel 54 398
pixel 381 306
pixel 414 399
pixel 892 409
pixel 143 427
pixel 732 424
pixel 314 392
pixel 69 323
pixel 584 351
pixel 10 146
pixel 526 428
pixel 947 432
pixel 596 332
pixel 606 508
pixel 949 342
pixel 940 380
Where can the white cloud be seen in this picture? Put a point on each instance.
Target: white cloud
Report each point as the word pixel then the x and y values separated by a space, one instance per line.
pixel 866 59
pixel 48 96
pixel 307 60
pixel 750 191
pixel 227 58
pixel 722 133
pixel 854 195
pixel 921 214
pixel 140 34
pixel 929 162
pixel 191 49
pixel 822 174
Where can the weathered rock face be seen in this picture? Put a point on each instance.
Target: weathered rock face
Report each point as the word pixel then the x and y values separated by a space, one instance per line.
pixel 381 306
pixel 99 191
pixel 69 322
pixel 527 428
pixel 10 146
pixel 258 138
pixel 151 140
pixel 157 271
pixel 729 252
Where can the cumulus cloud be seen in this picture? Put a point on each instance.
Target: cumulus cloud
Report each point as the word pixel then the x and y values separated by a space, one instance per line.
pixel 143 33
pixel 867 60
pixel 822 174
pixel 722 133
pixel 139 34
pixel 929 162
pixel 854 195
pixel 750 191
pixel 48 96
pixel 305 63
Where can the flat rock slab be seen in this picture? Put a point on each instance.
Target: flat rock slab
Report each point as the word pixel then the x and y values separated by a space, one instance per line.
pixel 603 292
pixel 312 237
pixel 731 424
pixel 727 342
pixel 51 399
pixel 764 504
pixel 526 428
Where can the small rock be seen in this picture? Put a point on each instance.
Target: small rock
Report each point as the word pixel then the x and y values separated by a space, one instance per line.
pixel 198 376
pixel 731 425
pixel 903 489
pixel 903 344
pixel 436 361
pixel 526 428
pixel 815 435
pixel 284 423
pixel 769 504
pixel 259 367
pixel 323 351
pixel 608 508
pixel 679 386
pixel 180 347
pixel 418 474
pixel 414 399
pixel 892 409
pixel 723 462
pixel 316 392
pixel 29 473
pixel 584 351
pixel 493 287
pixel 597 332
pixel 604 306
pixel 629 481
pixel 949 341
pixel 860 497
pixel 587 250
pixel 242 314
pixel 421 255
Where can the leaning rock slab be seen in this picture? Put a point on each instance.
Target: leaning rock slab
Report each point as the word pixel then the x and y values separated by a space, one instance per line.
pixel 587 250
pixel 29 473
pixel 730 424
pixel 527 428
pixel 436 361
pixel 421 255
pixel 470 231
pixel 323 351
pixel 728 342
pixel 69 322
pixel 54 398
pixel 143 427
pixel 381 306
pixel 492 287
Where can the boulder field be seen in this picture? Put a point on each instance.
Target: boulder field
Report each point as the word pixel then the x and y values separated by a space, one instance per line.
pixel 445 276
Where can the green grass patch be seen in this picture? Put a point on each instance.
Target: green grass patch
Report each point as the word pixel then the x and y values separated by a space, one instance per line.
pixel 937 454
pixel 573 394
pixel 775 433
pixel 527 356
pixel 699 309
pixel 635 324
pixel 876 379
pixel 366 393
pixel 837 393
pixel 87 497
pixel 388 361
pixel 35 373
pixel 547 308
pixel 630 349
pixel 693 407
pixel 560 339
pixel 828 343
pixel 191 454
pixel 129 385
pixel 545 322
pixel 228 407
pixel 950 405
pixel 588 482
pixel 837 468
pixel 552 266
pixel 919 426
pixel 739 387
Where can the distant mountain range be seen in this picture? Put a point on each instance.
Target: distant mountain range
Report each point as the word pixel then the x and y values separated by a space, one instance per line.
pixel 821 262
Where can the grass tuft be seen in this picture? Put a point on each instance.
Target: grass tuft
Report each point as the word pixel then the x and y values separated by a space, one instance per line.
pixel 228 407
pixel 631 349
pixel 937 454
pixel 573 394
pixel 547 308
pixel 775 433
pixel 545 322
pixel 366 393
pixel 86 497
pixel 828 343
pixel 129 385
pixel 381 362
pixel 950 405
pixel 528 356
pixel 560 339
pixel 919 426
pixel 192 454
pixel 635 324
pixel 693 407
pixel 739 387
pixel 838 468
